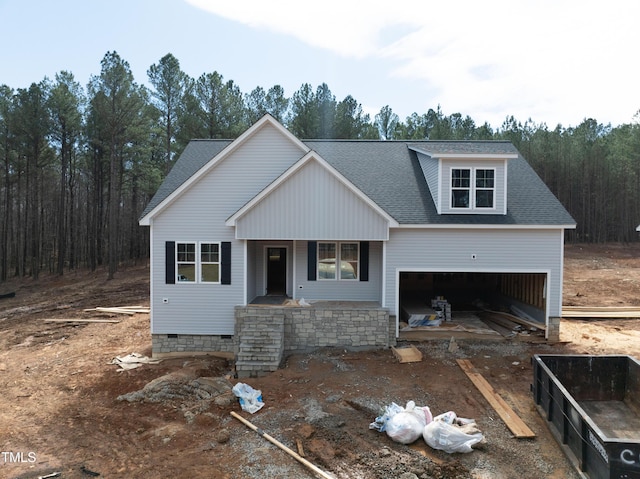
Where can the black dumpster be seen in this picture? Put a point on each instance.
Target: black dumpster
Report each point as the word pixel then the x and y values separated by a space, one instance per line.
pixel 592 405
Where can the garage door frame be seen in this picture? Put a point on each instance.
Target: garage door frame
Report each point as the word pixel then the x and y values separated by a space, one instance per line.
pixel 546 272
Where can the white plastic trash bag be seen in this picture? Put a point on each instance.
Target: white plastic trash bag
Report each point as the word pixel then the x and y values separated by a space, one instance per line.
pixel 250 399
pixel 446 433
pixel 403 425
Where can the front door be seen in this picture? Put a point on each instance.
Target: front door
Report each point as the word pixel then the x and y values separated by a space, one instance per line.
pixel 276 271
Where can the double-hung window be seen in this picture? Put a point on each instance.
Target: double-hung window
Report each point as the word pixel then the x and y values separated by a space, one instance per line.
pixel 460 187
pixel 186 262
pixel 338 260
pixel 198 262
pixel 473 188
pixel 210 262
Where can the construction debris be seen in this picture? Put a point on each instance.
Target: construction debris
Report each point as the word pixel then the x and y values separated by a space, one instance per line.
pixel 441 304
pixel 129 310
pixel 409 354
pixel 446 432
pixel 132 361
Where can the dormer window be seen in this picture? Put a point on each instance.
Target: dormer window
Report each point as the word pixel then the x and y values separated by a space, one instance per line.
pixel 472 188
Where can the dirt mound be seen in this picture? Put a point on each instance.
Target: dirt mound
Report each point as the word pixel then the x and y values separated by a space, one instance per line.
pixel 182 390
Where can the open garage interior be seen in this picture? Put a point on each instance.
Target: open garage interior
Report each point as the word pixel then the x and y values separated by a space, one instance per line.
pixel 505 303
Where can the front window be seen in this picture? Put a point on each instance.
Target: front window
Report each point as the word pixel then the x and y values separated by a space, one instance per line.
pixel 210 262
pixel 186 262
pixel 326 260
pixel 198 263
pixel 348 260
pixel 330 255
pixel 468 194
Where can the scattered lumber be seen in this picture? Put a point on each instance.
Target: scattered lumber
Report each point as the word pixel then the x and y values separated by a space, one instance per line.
pixel 601 312
pixel 516 425
pixel 129 310
pixel 531 325
pixel 277 443
pixel 78 320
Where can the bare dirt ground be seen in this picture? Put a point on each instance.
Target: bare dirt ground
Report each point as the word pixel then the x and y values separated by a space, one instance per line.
pixel 60 409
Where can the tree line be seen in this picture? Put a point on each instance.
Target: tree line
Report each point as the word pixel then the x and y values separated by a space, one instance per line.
pixel 79 164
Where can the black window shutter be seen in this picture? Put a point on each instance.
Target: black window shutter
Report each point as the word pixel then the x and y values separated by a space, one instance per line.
pixel 225 262
pixel 364 261
pixel 312 260
pixel 170 262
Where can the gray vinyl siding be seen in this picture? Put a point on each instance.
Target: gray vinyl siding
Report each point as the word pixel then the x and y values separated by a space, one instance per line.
pixel 500 191
pixel 443 250
pixel 430 171
pixel 312 204
pixel 340 290
pixel 200 215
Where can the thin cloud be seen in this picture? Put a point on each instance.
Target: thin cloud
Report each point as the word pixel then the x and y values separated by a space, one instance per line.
pixel 556 62
pixel 349 29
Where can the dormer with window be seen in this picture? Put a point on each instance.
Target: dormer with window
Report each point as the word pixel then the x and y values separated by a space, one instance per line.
pixel 466 177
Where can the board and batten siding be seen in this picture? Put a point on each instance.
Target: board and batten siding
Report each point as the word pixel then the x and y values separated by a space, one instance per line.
pixel 339 290
pixel 477 250
pixel 430 170
pixel 199 214
pixel 500 196
pixel 312 203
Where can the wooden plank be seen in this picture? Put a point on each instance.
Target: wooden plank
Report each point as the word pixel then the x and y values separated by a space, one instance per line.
pixel 606 312
pixel 519 320
pixel 409 354
pixel 300 448
pixel 81 320
pixel 600 308
pixel 119 310
pixel 510 418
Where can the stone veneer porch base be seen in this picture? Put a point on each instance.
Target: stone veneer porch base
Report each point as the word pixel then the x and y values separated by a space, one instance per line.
pixel 264 334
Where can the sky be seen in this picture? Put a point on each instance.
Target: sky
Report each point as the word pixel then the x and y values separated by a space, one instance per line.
pixel 555 62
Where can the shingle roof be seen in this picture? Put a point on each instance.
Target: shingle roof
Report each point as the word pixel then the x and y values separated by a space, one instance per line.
pixel 389 173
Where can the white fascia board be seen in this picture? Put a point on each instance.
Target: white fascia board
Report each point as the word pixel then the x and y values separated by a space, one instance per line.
pixel 476 156
pixel 233 146
pixel 310 156
pixel 485 227
pixel 465 156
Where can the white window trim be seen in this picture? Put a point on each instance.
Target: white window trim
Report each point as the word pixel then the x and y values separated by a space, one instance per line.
pixel 472 189
pixel 198 262
pixel 338 261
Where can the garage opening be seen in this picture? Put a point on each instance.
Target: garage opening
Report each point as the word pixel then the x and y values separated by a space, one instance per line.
pixel 468 296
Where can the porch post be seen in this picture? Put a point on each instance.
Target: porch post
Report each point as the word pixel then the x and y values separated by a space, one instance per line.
pixel 245 252
pixel 294 286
